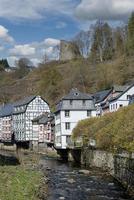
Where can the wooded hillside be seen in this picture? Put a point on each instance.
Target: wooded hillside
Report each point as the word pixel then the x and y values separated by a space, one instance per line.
pixel 113 131
pixel 110 61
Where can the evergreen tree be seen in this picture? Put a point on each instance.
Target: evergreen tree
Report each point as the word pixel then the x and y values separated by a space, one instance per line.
pixel 3 64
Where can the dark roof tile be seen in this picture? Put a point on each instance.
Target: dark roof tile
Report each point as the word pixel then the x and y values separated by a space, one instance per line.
pixel 6 110
pixel 24 101
pixel 75 94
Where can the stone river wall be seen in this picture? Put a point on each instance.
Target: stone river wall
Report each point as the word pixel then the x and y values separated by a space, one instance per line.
pixel 120 166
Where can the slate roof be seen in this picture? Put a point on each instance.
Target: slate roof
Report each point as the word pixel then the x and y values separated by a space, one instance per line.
pixel 44 118
pixel 75 94
pixel 24 101
pixel 126 88
pixel 6 110
pixel 101 95
pixel 120 88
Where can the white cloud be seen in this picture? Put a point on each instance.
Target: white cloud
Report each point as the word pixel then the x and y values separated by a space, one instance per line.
pixel 4 35
pixel 11 60
pixel 51 42
pixel 29 9
pixel 22 50
pixel 104 9
pixel 35 51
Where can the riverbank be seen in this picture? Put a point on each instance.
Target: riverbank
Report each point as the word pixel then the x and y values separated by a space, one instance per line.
pixel 120 166
pixel 69 181
pixel 22 181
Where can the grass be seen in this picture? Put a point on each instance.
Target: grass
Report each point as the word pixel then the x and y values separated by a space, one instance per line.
pixel 20 182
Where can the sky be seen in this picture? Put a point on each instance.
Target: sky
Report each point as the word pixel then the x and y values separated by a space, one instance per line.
pixel 33 28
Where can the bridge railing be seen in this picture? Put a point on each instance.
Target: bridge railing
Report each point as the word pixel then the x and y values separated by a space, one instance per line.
pixel 75 144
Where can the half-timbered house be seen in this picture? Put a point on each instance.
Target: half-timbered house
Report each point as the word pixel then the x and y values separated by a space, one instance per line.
pixel 44 125
pixel 24 112
pixel 6 125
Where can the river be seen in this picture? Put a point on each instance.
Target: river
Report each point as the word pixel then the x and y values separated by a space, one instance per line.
pixel 66 182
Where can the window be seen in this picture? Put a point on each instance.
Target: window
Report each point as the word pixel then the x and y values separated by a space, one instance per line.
pixel 67 113
pixel 88 113
pixel 128 97
pixel 67 125
pixel 71 102
pixel 121 105
pixel 84 102
pixel 68 139
pixel 116 105
pixel 57 116
pixel 58 139
pixel 57 128
pixel 113 106
pixel 41 128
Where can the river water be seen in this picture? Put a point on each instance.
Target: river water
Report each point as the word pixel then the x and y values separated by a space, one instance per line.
pixel 67 183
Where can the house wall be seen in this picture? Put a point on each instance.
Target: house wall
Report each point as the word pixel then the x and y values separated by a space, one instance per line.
pixel 6 129
pixel 99 110
pixel 23 127
pixel 19 126
pixel 121 101
pixel 62 135
pixel 44 132
pixel 0 128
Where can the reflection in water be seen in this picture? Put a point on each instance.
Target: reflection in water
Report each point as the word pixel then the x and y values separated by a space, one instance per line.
pixel 67 183
pixel 8 158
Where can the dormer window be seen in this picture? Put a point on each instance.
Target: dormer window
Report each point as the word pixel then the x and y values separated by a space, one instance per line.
pixel 76 93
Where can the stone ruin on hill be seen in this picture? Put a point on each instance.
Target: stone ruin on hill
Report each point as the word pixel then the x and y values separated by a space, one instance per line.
pixel 68 50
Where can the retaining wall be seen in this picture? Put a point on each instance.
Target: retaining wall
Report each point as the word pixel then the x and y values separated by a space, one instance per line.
pixel 120 166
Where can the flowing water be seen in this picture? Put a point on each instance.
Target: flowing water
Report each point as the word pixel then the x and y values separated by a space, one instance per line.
pixel 66 182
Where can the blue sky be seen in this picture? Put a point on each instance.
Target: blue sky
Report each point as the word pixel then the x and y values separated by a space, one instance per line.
pixel 33 28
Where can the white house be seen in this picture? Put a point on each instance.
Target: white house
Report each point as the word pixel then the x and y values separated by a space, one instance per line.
pixel 102 98
pixel 70 110
pixel 122 99
pixel 24 112
pixel 6 126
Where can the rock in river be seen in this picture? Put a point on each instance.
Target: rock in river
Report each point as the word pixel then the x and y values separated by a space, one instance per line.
pixel 71 181
pixel 84 171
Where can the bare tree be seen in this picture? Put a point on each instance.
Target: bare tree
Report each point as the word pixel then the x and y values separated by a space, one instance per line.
pixel 83 41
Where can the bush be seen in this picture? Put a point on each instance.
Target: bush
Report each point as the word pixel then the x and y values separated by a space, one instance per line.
pixel 112 131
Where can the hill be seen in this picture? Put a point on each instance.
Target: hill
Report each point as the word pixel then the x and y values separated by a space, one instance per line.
pixel 113 131
pixel 53 80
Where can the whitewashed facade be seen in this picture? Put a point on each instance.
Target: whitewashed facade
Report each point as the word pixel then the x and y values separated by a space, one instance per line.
pixel 24 112
pixel 121 100
pixel 102 98
pixel 71 109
